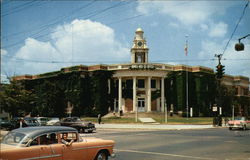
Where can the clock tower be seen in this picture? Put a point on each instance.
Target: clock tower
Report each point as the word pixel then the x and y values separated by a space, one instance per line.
pixel 139 50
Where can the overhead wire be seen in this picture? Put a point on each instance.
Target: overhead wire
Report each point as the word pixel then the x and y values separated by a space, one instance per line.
pixel 51 22
pixel 35 35
pixel 29 4
pixel 243 13
pixel 154 61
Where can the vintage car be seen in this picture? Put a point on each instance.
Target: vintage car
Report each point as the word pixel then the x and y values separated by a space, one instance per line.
pixel 53 143
pixel 6 124
pixel 240 123
pixel 75 122
pixel 42 120
pixel 52 121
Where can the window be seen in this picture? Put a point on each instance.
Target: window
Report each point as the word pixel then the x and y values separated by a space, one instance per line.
pixel 153 83
pixel 141 83
pixel 139 57
pixel 129 83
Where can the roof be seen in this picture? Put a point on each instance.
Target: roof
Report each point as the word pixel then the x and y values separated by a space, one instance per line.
pixel 39 130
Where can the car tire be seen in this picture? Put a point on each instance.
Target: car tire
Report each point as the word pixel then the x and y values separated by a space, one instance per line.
pixel 230 128
pixel 102 155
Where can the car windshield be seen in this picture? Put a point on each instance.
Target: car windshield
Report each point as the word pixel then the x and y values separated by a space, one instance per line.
pixel 31 120
pixel 16 139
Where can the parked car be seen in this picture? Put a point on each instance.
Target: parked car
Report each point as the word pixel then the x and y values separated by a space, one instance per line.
pixel 28 122
pixel 31 121
pixel 52 121
pixel 75 122
pixel 47 142
pixel 42 120
pixel 240 123
pixel 6 124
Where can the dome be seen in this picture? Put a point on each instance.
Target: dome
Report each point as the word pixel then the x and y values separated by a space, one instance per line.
pixel 139 30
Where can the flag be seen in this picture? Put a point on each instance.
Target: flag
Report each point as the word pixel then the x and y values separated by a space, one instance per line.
pixel 186 49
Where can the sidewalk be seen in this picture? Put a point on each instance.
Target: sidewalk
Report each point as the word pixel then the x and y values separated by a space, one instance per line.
pixel 151 126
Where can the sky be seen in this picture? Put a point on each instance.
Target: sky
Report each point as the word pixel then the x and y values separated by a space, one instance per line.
pixel 44 36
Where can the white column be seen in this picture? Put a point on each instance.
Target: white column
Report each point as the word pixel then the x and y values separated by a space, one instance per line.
pixel 120 94
pixel 149 94
pixel 158 99
pixel 162 94
pixel 134 94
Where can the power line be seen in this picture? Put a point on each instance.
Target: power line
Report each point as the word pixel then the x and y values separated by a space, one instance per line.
pixel 50 23
pixel 43 29
pixel 156 61
pixel 236 27
pixel 25 6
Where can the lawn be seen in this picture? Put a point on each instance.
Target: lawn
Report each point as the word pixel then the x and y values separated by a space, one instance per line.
pixel 159 119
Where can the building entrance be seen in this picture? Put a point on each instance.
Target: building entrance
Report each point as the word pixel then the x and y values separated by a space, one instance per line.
pixel 141 104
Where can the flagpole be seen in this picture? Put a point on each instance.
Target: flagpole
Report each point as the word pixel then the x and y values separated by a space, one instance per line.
pixel 186 52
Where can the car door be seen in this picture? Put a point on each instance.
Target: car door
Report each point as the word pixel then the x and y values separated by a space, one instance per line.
pixel 75 151
pixel 54 147
pixel 56 151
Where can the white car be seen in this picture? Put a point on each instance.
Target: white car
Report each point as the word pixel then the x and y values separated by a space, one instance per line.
pixel 52 121
pixel 42 120
pixel 239 122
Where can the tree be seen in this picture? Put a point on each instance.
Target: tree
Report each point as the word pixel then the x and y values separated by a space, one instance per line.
pixel 16 100
pixel 50 100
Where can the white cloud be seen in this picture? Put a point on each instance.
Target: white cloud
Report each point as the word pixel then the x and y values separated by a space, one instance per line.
pixel 3 52
pixel 187 13
pixel 236 63
pixel 218 30
pixel 80 41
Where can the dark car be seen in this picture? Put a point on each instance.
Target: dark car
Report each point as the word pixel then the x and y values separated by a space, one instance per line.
pixel 27 122
pixel 5 124
pixel 75 122
pixel 31 121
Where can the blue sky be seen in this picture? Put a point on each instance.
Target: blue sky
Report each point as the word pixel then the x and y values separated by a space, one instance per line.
pixel 43 36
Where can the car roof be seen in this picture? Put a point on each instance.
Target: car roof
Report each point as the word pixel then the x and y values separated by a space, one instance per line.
pixel 39 130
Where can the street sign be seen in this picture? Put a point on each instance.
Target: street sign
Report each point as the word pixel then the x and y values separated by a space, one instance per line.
pixel 215 109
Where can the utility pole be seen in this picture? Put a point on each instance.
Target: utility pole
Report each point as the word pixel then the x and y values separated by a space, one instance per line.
pixel 219 75
pixel 186 50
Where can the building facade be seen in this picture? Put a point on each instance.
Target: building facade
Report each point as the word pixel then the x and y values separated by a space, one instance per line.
pixel 142 86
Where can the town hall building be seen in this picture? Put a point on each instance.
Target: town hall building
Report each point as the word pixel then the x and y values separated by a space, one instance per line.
pixel 147 82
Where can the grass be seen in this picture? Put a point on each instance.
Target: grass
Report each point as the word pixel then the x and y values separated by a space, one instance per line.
pixel 158 118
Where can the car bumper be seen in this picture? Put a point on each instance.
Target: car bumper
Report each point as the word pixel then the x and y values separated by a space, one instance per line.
pixel 235 126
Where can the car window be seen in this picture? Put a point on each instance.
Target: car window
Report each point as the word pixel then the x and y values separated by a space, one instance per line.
pixel 13 138
pixel 69 136
pixel 46 139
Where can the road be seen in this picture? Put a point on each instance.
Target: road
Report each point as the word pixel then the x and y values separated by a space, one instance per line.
pixel 204 144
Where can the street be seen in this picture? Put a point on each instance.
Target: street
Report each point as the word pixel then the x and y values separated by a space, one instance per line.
pixel 203 144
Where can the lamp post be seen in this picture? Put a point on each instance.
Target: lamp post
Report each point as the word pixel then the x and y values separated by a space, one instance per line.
pixel 240 46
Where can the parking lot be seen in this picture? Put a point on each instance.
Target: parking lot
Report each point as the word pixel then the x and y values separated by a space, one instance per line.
pixel 204 144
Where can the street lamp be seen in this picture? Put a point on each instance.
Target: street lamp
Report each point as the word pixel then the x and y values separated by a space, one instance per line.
pixel 240 46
